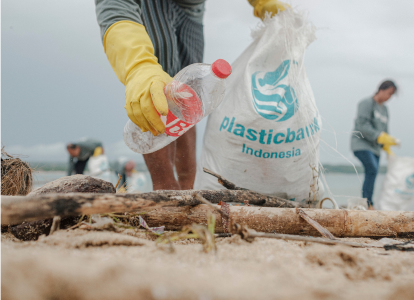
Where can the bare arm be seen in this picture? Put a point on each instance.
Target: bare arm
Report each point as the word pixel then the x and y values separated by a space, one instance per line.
pixel 185 159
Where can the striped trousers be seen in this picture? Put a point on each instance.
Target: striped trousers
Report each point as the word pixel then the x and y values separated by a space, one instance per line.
pixel 178 40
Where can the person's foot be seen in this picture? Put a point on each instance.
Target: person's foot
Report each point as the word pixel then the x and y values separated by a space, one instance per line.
pixel 371 207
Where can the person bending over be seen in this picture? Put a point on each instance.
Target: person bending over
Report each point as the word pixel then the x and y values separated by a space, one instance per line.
pixel 80 152
pixel 147 42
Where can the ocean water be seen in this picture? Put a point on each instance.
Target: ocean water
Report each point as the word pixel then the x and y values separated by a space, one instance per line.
pixel 341 185
pixel 344 186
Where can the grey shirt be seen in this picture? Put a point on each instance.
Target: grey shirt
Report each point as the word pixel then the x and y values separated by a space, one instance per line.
pixel 87 148
pixel 109 12
pixel 371 120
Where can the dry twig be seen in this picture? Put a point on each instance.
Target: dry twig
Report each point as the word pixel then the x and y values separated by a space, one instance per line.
pixel 119 180
pixel 250 234
pixel 201 199
pixel 224 182
pixel 322 230
pixel 55 225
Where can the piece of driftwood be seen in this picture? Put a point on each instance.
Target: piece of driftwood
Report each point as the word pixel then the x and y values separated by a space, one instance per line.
pixel 76 183
pixel 175 212
pixel 16 210
pixel 235 196
pixel 341 223
pixel 322 230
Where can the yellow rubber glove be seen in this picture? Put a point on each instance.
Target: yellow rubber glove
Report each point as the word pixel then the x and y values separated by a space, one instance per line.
pixel 131 55
pixel 387 149
pixel 263 6
pixel 98 151
pixel 387 141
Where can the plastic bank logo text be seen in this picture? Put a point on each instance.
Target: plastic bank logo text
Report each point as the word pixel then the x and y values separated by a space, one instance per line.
pixel 267 136
pixel 273 98
pixel 261 153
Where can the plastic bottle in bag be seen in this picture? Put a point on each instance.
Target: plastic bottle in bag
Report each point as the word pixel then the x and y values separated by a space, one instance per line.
pixel 193 94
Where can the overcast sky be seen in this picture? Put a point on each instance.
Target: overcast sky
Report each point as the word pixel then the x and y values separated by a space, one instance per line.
pixel 57 85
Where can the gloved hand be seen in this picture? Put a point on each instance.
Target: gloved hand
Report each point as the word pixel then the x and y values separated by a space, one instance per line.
pixel 263 6
pixel 387 141
pixel 98 151
pixel 388 150
pixel 131 55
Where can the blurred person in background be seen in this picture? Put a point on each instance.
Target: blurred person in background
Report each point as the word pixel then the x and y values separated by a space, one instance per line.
pixel 371 135
pixel 125 168
pixel 80 152
pixel 147 42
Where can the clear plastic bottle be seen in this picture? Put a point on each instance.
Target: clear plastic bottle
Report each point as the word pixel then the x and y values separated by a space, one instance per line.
pixel 193 94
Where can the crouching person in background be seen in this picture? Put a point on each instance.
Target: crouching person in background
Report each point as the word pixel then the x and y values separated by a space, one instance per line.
pixel 80 152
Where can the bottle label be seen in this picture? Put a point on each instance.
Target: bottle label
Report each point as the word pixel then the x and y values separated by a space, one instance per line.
pixel 174 126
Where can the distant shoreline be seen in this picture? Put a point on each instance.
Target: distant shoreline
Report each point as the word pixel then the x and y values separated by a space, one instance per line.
pixel 329 168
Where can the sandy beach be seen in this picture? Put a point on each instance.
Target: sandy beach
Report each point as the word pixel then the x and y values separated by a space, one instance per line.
pixel 80 264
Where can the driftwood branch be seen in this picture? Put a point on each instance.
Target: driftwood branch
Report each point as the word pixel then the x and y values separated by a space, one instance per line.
pixel 236 196
pixel 341 223
pixel 204 201
pixel 17 209
pixel 250 234
pixel 174 212
pixel 224 182
pixel 231 186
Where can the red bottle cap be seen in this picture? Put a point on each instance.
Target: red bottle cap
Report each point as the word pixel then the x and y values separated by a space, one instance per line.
pixel 221 68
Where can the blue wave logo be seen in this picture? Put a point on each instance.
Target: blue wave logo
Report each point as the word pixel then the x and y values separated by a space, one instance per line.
pixel 410 181
pixel 273 98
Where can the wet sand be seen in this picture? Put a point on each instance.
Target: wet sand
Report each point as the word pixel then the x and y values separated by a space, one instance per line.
pixel 106 265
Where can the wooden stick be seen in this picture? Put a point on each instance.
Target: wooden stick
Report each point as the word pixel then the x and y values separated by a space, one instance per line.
pixel 231 186
pixel 119 180
pixel 250 234
pixel 224 182
pixel 341 223
pixel 237 196
pixel 201 199
pixel 176 211
pixel 17 209
pixel 310 239
pixel 55 224
pixel 322 230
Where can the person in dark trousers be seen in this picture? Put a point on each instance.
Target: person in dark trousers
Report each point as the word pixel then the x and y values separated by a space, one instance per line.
pixel 147 42
pixel 371 135
pixel 80 152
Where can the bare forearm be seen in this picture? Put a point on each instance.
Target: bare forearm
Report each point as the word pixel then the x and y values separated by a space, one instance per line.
pixel 185 159
pixel 161 167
